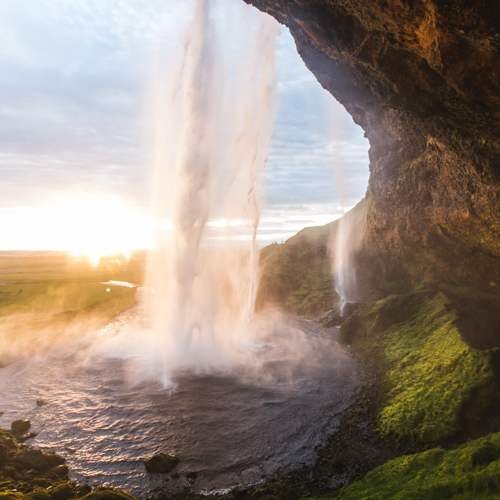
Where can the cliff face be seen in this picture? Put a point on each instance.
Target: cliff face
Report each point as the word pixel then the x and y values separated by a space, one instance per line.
pixel 423 80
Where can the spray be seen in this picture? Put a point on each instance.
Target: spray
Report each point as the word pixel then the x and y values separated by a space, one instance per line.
pixel 213 128
pixel 348 240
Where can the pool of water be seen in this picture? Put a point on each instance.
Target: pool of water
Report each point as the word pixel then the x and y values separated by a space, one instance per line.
pixel 228 428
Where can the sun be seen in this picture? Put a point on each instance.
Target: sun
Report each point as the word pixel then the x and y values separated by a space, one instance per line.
pixel 102 226
pixel 88 226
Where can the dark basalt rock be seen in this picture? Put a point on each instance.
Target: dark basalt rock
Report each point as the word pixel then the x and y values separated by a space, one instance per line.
pixel 26 472
pixel 422 78
pixel 485 455
pixel 331 318
pixel 20 427
pixel 162 463
pixel 33 458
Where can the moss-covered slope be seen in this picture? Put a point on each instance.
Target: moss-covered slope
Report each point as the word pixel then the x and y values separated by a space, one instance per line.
pixel 296 275
pixel 428 372
pixel 471 471
pixel 433 389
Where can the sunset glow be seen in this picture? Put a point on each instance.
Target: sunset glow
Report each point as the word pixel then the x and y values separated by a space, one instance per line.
pixel 86 226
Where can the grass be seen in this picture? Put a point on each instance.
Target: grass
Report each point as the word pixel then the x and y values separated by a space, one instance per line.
pixel 44 297
pixel 427 377
pixel 296 275
pixel 471 471
pixel 428 371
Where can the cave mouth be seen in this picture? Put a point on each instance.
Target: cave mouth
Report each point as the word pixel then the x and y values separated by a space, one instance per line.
pixel 87 149
pixel 111 150
pixel 318 162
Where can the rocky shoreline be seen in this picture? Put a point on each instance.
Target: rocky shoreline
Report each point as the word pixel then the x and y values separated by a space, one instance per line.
pixel 29 473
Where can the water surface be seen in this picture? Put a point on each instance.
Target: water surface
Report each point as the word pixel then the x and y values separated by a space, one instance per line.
pixel 228 429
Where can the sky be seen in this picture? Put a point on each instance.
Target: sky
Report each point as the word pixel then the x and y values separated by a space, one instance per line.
pixel 74 82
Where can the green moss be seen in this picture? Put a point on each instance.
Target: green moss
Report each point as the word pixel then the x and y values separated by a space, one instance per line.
pixel 427 370
pixel 431 372
pixel 296 275
pixel 11 495
pixel 107 494
pixel 434 474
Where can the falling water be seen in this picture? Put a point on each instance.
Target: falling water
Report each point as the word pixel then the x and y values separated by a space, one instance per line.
pixel 348 239
pixel 213 127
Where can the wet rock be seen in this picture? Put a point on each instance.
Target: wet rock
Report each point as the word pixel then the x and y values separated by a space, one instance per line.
pixel 162 463
pixel 20 427
pixel 485 455
pixel 331 318
pixel 61 471
pixel 31 458
pixel 8 445
pixel 83 489
pixel 63 491
pixel 40 494
pixel 25 437
pixel 107 494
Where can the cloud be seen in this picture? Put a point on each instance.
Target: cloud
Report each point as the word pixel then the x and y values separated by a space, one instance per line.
pixel 73 101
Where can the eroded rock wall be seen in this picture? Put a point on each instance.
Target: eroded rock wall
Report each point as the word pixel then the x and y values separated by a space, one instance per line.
pixel 423 80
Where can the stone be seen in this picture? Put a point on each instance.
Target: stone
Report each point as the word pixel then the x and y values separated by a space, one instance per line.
pixel 20 427
pixel 63 491
pixel 162 463
pixel 33 458
pixel 486 454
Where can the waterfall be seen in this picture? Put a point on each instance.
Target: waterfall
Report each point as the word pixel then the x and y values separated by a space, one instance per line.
pixel 348 238
pixel 214 115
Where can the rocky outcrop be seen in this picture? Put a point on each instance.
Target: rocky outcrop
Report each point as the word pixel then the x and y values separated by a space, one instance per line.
pixel 423 80
pixel 161 463
pixel 30 473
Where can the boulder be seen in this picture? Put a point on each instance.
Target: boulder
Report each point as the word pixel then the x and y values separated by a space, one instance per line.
pixel 31 458
pixel 162 463
pixel 20 427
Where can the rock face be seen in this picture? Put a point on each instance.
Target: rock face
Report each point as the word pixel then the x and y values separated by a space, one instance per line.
pixel 422 78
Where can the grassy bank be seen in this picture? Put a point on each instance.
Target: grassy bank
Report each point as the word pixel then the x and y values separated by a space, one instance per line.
pixel 470 471
pixel 433 390
pixel 428 372
pixel 296 275
pixel 48 297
